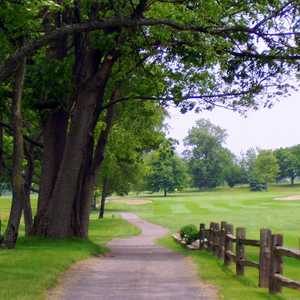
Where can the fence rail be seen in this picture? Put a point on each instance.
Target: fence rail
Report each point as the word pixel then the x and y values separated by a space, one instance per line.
pixel 224 244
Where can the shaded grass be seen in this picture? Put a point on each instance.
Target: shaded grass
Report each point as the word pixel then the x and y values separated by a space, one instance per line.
pixel 253 210
pixel 35 265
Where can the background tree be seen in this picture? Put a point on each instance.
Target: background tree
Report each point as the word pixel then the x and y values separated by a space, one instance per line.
pixel 288 164
pixel 207 158
pixel 166 170
pixel 247 163
pixel 136 130
pixel 233 174
pixel 266 168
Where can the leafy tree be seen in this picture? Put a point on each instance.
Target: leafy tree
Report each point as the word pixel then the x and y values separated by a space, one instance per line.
pixel 288 163
pixel 207 158
pixel 233 174
pixel 135 131
pixel 246 163
pixel 166 170
pixel 266 167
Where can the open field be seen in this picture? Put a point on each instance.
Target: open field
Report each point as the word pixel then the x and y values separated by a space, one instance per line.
pixel 35 265
pixel 253 210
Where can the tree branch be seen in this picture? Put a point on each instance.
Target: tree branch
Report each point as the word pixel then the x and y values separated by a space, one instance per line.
pixel 26 138
pixel 9 66
pixel 205 98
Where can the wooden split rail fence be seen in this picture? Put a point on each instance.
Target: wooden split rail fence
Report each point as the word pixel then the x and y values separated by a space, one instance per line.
pixel 221 241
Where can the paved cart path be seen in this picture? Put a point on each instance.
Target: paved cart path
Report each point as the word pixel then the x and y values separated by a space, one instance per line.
pixel 135 269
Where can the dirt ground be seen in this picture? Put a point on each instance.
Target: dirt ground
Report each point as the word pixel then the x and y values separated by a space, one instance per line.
pixel 289 198
pixel 129 201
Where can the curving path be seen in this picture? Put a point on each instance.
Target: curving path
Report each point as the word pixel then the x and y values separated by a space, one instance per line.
pixel 135 269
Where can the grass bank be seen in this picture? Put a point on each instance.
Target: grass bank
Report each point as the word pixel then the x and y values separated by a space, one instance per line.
pixel 35 265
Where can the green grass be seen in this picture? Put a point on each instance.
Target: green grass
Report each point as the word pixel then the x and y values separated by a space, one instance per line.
pixel 253 210
pixel 35 265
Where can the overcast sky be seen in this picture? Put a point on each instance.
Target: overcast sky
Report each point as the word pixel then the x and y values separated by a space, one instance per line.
pixel 265 129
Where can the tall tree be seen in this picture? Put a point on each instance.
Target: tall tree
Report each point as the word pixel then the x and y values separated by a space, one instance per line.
pixel 166 170
pixel 288 164
pixel 266 168
pixel 207 158
pixel 19 196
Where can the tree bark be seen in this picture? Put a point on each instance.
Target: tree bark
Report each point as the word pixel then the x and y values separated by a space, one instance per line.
pixel 59 219
pixel 103 197
pixel 27 189
pixel 2 165
pixel 18 199
pixel 93 164
pixel 54 135
pixel 165 192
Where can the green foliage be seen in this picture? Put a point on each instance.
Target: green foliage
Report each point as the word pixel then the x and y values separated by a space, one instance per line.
pixel 233 174
pixel 189 233
pixel 166 170
pixel 265 168
pixel 257 187
pixel 136 130
pixel 207 158
pixel 247 164
pixel 288 162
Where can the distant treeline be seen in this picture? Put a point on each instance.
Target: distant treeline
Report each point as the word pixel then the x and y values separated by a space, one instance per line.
pixel 207 163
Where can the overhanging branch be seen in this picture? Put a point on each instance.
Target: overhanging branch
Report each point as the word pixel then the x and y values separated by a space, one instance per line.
pixel 26 138
pixel 9 66
pixel 205 98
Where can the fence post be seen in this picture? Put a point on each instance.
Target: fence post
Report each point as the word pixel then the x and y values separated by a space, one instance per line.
pixel 222 240
pixel 276 265
pixel 228 244
pixel 216 238
pixel 210 237
pixel 201 236
pixel 265 257
pixel 240 251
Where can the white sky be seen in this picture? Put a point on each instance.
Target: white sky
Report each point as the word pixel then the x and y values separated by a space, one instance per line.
pixel 265 129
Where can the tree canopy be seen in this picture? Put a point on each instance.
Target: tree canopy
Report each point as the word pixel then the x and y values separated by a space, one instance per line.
pixel 207 158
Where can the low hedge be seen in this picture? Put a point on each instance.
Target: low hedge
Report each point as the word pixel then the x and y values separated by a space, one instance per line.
pixel 189 233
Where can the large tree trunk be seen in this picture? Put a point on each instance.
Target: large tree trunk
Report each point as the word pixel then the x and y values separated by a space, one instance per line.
pixel 59 219
pixel 103 197
pixel 92 164
pixel 82 203
pixel 18 199
pixel 54 135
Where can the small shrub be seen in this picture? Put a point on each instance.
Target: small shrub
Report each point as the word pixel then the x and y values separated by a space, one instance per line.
pixel 256 186
pixel 189 233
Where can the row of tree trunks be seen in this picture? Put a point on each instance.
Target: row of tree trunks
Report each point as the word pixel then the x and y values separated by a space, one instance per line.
pixel 19 196
pixel 65 212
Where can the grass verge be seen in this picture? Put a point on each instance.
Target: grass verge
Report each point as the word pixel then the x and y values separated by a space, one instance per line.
pixel 35 265
pixel 242 208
